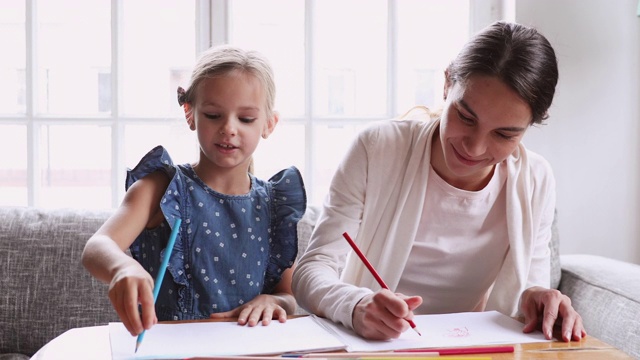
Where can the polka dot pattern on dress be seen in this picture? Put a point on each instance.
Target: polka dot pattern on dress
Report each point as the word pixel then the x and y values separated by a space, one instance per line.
pixel 220 259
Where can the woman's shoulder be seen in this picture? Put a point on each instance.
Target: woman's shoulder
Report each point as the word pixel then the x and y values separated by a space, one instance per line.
pixel 387 140
pixel 396 129
pixel 536 166
pixel 538 161
pixel 535 161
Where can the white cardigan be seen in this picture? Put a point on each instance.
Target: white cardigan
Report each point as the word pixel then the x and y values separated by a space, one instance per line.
pixel 377 196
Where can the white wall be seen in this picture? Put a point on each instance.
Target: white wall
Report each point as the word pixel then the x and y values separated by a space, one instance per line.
pixel 593 134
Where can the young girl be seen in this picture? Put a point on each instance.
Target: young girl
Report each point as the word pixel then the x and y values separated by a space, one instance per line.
pixel 237 241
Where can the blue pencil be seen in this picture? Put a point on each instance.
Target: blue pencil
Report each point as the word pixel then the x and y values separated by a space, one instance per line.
pixel 162 270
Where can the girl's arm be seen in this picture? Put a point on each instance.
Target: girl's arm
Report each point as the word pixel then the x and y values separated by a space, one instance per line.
pixel 284 294
pixel 105 258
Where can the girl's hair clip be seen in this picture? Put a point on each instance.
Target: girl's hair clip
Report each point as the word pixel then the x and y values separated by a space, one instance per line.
pixel 182 96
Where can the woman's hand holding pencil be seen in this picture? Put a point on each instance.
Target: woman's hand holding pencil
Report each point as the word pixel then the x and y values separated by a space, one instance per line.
pixel 382 315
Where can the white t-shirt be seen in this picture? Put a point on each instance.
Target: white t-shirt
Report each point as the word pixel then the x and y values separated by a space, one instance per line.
pixel 460 246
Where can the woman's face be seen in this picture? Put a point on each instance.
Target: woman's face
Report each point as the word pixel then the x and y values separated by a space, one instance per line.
pixel 482 123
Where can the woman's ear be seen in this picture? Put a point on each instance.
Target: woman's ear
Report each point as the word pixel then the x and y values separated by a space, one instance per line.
pixel 270 125
pixel 447 85
pixel 188 114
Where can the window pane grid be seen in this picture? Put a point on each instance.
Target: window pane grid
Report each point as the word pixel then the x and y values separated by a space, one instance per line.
pixel 68 129
pixel 357 70
pixel 336 72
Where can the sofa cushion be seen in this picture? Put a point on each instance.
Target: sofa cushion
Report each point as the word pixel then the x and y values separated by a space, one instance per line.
pixel 45 288
pixel 606 293
pixel 13 357
pixel 305 228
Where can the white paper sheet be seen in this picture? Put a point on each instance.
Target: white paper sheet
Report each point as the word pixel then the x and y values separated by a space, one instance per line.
pixel 447 330
pixel 169 341
pixel 309 334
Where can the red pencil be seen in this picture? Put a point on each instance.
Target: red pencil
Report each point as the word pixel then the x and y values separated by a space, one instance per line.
pixel 464 351
pixel 374 272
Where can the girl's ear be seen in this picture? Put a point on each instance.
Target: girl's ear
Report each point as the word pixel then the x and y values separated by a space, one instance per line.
pixel 188 114
pixel 270 125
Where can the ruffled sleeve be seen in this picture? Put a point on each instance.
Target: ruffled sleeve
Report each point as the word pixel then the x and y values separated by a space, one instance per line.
pixel 289 201
pixel 158 159
pixel 149 250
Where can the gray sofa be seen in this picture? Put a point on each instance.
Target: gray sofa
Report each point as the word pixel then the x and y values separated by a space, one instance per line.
pixel 44 290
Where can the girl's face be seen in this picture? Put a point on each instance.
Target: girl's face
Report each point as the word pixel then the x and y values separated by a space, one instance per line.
pixel 482 123
pixel 229 115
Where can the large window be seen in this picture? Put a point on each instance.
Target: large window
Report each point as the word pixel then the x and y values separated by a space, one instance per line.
pixel 86 93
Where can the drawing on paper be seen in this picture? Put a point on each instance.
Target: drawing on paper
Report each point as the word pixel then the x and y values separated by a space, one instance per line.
pixel 458 332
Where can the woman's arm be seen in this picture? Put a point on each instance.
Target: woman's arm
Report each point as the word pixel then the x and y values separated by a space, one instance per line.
pixel 316 279
pixel 541 306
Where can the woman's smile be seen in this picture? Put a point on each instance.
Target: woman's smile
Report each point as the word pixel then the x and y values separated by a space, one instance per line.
pixel 465 160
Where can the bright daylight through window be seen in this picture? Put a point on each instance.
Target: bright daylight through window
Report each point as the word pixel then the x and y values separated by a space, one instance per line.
pixel 85 97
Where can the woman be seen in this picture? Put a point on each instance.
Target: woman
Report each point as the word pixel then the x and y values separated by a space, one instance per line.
pixel 454 211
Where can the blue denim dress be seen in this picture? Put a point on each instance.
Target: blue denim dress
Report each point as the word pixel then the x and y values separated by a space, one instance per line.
pixel 230 248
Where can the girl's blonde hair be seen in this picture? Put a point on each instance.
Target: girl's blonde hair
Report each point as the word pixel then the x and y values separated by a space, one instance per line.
pixel 223 59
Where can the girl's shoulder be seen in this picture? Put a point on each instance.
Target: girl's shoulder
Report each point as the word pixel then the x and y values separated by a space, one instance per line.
pixel 285 181
pixel 288 203
pixel 157 159
pixel 285 189
pixel 287 178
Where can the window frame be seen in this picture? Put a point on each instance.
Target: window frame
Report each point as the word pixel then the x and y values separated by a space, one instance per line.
pixel 212 28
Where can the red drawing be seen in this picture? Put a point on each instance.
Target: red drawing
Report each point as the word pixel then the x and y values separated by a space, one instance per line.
pixel 458 332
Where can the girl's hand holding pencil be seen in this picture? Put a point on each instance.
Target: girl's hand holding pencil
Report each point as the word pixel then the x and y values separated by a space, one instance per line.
pixel 161 271
pixel 132 285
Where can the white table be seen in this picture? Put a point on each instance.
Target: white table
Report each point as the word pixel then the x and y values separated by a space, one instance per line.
pixel 80 343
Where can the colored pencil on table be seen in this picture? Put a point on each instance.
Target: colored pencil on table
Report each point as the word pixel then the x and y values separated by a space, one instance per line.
pixel 463 350
pixel 374 272
pixel 340 356
pixel 162 270
pixel 361 355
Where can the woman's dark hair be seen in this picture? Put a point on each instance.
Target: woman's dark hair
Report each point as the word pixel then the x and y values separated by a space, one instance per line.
pixel 518 55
